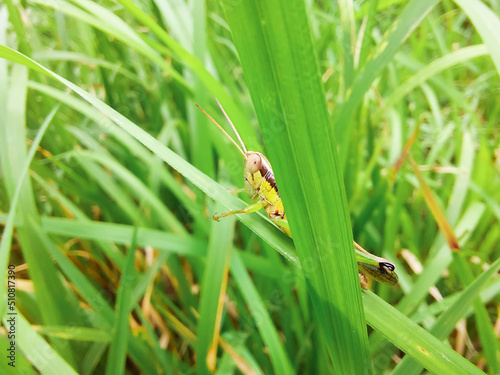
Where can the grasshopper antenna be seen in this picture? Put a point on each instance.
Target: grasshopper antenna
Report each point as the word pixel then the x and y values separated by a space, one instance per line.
pixel 230 122
pixel 222 129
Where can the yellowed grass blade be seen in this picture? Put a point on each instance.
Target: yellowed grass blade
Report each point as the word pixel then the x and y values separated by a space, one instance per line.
pixel 439 216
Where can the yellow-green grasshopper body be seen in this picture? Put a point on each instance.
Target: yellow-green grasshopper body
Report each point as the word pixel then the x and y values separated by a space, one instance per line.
pixel 260 186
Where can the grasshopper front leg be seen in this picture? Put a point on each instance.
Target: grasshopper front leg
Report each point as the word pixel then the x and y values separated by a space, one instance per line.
pixel 247 210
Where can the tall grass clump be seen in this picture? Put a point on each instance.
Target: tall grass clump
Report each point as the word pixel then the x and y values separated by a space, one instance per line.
pixel 380 119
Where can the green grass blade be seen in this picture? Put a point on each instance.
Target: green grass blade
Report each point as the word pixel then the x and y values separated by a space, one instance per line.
pixel 280 361
pixel 449 318
pixel 407 21
pixel 487 24
pixel 121 234
pixel 43 356
pixel 6 242
pixel 104 317
pixel 122 137
pixel 398 334
pixel 77 333
pixel 348 39
pixel 415 341
pixel 56 305
pixel 199 69
pixel 437 66
pixel 164 242
pixel 275 48
pixel 118 348
pixel 168 220
pixel 124 55
pixel 212 294
pixel 485 328
pixel 203 182
pixel 55 55
pixel 108 22
pixel 23 366
pixel 433 268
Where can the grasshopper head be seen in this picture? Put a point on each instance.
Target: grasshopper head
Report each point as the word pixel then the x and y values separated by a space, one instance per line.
pixel 256 162
pixel 253 162
pixel 257 168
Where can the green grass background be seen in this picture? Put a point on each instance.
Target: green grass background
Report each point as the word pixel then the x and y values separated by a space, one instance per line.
pixel 110 176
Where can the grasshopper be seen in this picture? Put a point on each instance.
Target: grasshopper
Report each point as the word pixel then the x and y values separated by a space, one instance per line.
pixel 260 185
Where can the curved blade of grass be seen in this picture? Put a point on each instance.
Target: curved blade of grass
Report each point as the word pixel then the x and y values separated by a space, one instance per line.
pixel 446 322
pixel 273 40
pixel 487 24
pixel 441 84
pixel 437 66
pixel 415 341
pixel 201 150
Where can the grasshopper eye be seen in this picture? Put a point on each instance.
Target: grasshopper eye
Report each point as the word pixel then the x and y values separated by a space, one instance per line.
pixel 386 267
pixel 254 163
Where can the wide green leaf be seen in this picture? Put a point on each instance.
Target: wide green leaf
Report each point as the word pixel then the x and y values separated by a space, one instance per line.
pixel 273 40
